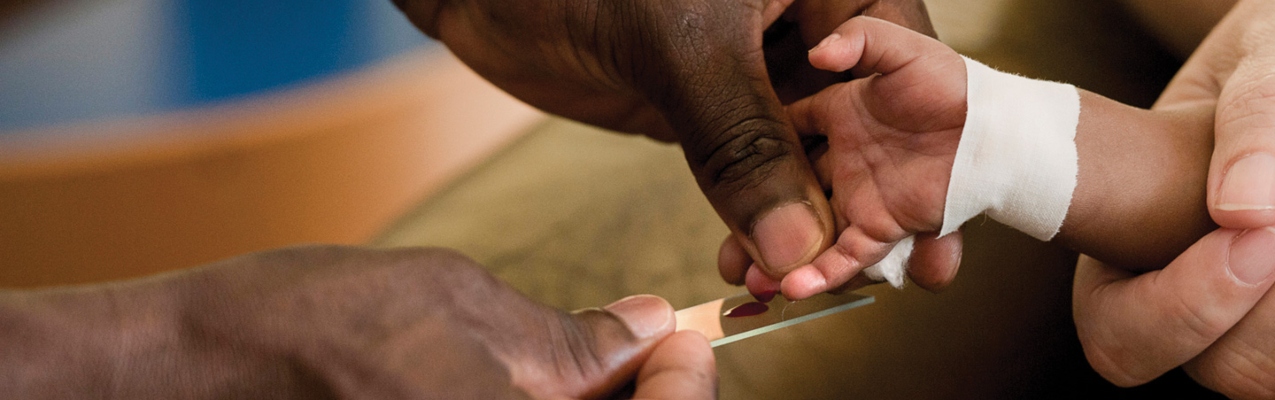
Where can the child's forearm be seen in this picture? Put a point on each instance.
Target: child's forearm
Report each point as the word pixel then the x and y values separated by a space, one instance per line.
pixel 1140 195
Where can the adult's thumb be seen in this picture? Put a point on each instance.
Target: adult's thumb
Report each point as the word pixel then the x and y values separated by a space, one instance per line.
pixel 714 91
pixel 1242 174
pixel 588 353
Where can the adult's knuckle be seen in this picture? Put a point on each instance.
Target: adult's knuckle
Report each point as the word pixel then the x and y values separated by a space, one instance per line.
pixel 575 349
pixel 743 154
pixel 1249 103
pixel 448 270
pixel 1240 371
pixel 431 258
pixel 1192 327
pixel 1198 325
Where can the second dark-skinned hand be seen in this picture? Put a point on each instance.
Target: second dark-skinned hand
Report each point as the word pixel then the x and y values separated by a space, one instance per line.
pixel 708 74
pixel 339 322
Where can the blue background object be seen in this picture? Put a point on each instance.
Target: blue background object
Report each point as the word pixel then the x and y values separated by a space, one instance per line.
pixel 82 61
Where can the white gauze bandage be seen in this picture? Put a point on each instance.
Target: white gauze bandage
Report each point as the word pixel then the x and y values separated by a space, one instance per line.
pixel 1016 160
pixel 1017 156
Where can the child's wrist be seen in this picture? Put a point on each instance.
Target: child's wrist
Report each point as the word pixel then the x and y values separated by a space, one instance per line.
pixel 1016 160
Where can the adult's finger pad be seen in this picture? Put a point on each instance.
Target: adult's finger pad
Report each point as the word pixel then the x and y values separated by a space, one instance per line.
pixel 682 367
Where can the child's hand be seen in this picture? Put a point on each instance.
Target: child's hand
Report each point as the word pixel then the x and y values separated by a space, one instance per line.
pixel 891 141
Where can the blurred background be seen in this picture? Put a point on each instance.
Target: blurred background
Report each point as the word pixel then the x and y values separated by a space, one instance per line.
pixel 139 136
pixel 73 61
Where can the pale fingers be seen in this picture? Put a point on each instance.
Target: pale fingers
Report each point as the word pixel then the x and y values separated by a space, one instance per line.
pixel 1135 328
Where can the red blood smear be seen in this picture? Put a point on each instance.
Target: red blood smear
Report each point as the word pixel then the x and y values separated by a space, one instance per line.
pixel 747 310
pixel 765 297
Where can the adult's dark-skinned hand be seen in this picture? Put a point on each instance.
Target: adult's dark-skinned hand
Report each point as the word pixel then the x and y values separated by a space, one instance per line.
pixel 691 71
pixel 338 322
pixel 1210 310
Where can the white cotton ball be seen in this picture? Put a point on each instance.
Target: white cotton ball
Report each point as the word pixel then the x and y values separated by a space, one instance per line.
pixel 894 266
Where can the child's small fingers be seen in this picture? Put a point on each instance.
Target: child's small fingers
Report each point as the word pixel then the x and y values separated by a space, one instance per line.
pixel 935 260
pixel 760 285
pixel 857 282
pixel 868 45
pixel 823 165
pixel 732 261
pixel 835 266
pixel 816 117
pixel 806 116
pixel 803 282
pixel 838 53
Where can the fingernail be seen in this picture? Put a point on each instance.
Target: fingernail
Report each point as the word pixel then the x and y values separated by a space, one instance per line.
pixel 645 315
pixel 1252 257
pixel 826 41
pixel 1249 184
pixel 787 235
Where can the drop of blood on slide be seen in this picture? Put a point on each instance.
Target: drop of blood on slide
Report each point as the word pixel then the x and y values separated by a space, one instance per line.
pixel 747 309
